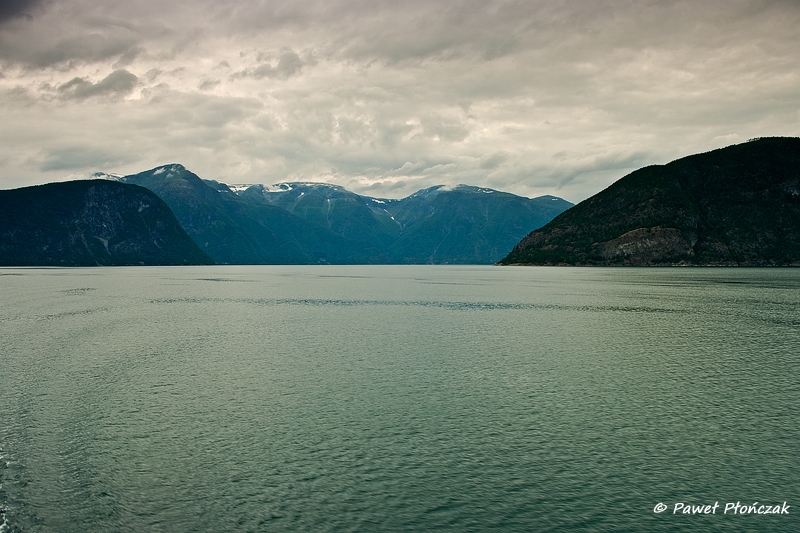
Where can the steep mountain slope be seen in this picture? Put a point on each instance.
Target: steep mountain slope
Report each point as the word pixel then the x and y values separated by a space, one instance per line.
pixel 738 205
pixel 91 222
pixel 235 230
pixel 296 223
pixel 346 214
pixel 466 224
pixel 435 225
pixel 212 220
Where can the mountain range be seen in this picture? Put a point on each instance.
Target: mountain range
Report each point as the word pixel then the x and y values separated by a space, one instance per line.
pixel 315 223
pixel 738 205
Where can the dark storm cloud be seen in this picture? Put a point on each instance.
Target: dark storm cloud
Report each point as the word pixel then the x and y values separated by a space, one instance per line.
pixel 11 9
pixel 118 83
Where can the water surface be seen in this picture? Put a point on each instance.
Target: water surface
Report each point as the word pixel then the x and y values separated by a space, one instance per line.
pixel 387 398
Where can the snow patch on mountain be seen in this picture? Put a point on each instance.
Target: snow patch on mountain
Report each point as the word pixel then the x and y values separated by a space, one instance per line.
pixel 106 176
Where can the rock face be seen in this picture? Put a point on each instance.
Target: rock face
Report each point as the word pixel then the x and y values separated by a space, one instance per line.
pixel 91 222
pixel 645 245
pixel 738 205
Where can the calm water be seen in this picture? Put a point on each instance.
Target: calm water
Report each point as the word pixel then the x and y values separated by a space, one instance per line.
pixel 389 398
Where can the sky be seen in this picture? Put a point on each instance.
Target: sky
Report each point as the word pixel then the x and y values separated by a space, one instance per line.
pixel 385 98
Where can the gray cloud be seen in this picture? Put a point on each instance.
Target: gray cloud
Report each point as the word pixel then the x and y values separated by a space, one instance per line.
pixel 531 96
pixel 289 64
pixel 491 161
pixel 13 9
pixel 42 51
pixel 118 83
pixel 448 127
pixel 207 85
pixel 286 64
pixel 80 157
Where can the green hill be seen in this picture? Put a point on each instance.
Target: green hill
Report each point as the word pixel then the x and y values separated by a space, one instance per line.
pixel 91 222
pixel 738 205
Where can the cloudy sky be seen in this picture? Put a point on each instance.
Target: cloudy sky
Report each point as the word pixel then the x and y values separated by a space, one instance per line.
pixel 383 97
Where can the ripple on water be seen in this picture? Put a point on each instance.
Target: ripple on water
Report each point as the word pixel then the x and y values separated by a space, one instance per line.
pixel 396 399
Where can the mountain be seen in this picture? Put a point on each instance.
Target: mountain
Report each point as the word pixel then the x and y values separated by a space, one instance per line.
pixel 352 217
pixel 435 225
pixel 738 205
pixel 237 229
pixel 91 222
pixel 466 224
pixel 308 223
